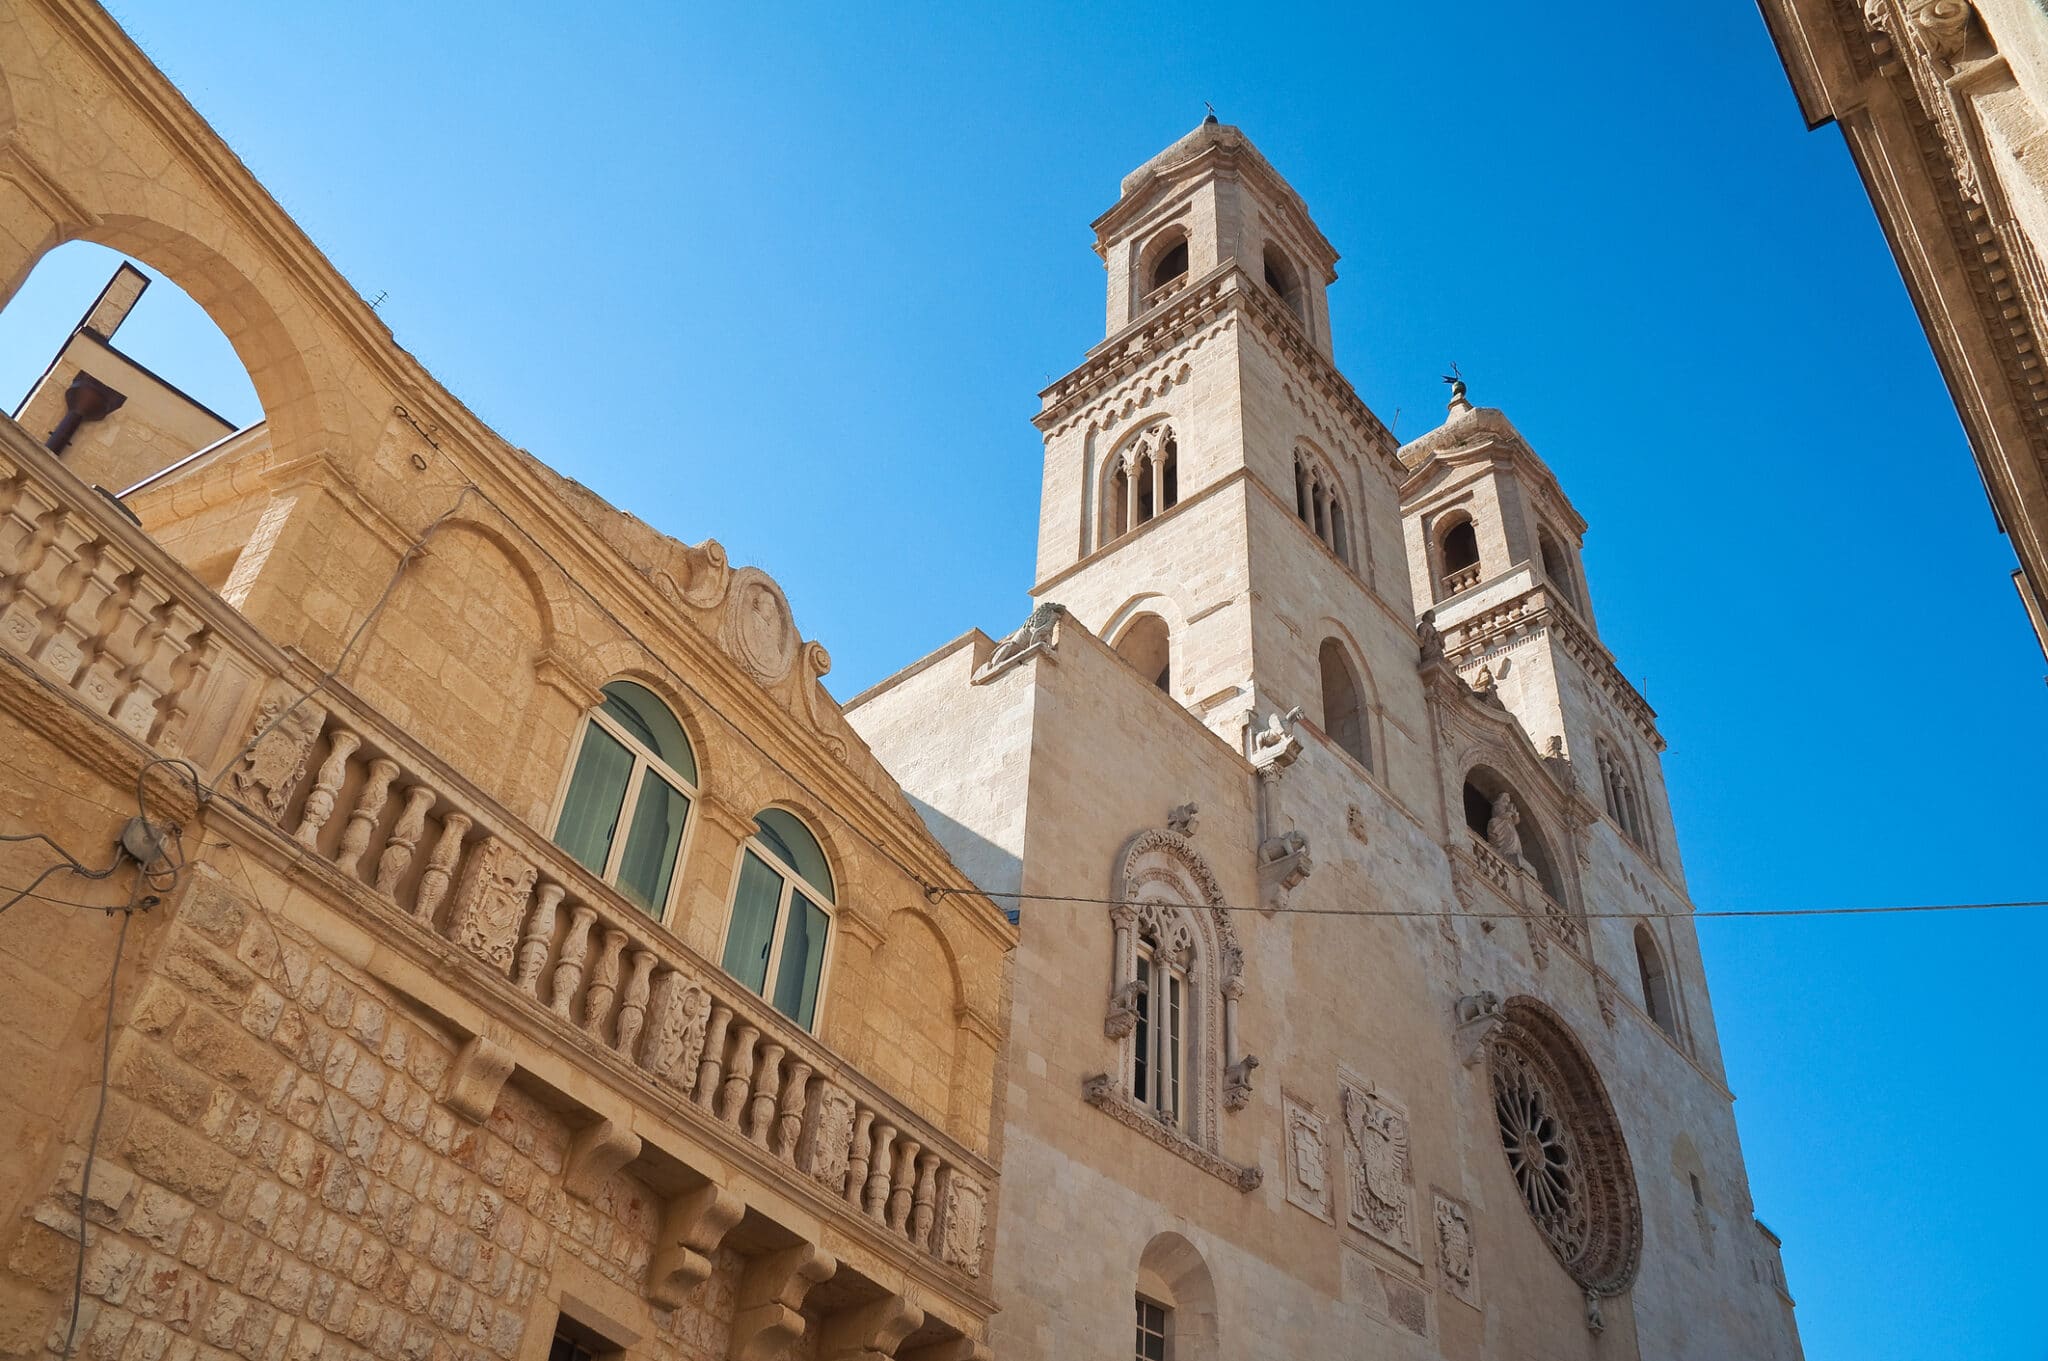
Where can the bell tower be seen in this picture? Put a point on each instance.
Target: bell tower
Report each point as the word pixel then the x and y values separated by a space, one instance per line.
pixel 1493 552
pixel 1218 504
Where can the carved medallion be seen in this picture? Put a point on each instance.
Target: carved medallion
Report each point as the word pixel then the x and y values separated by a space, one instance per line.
pixel 275 765
pixel 828 1136
pixel 758 630
pixel 964 1205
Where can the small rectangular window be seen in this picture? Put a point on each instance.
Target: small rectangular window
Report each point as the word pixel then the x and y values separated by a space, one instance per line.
pixel 1151 1331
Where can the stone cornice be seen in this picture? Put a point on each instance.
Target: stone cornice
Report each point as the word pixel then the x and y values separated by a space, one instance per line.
pixel 1530 615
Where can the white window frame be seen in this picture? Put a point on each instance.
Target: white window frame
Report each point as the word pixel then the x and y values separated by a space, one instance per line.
pixel 1157 1048
pixel 643 760
pixel 1164 1333
pixel 816 895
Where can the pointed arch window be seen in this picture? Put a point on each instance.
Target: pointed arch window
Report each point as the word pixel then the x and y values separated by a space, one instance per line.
pixel 781 924
pixel 1657 999
pixel 1343 708
pixel 1618 789
pixel 628 797
pixel 1318 503
pixel 1141 482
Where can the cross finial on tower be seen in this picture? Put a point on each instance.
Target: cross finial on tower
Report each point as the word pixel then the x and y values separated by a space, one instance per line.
pixel 1457 382
pixel 1212 112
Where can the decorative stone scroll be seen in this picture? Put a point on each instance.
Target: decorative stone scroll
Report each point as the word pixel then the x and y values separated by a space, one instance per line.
pixel 490 903
pixel 1308 1158
pixel 1379 1182
pixel 1457 1252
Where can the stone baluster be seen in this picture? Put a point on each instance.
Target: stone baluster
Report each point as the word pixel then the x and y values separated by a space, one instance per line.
pixel 20 598
pixel 117 624
pixel 405 839
pixel 732 1097
pixel 922 1203
pixel 341 744
pixel 569 966
pixel 877 1193
pixel 174 709
pixel 604 981
pixel 761 1110
pixel 857 1161
pixel 712 1061
pixel 362 819
pixel 536 937
pixel 440 866
pixel 903 1184
pixel 633 1005
pixel 148 660
pixel 78 589
pixel 789 1117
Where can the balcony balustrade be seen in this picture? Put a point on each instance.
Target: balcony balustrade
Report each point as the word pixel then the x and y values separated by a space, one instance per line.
pixel 1464 579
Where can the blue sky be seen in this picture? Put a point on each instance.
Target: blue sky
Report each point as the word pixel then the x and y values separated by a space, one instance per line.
pixel 836 252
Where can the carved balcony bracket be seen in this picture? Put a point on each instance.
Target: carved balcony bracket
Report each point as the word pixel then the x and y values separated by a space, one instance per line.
pixel 693 1226
pixel 476 1079
pixel 952 1349
pixel 767 1320
pixel 869 1332
pixel 595 1153
pixel 1283 856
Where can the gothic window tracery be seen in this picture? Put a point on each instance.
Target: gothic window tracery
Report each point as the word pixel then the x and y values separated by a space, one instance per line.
pixel 1173 996
pixel 1564 1148
pixel 1618 790
pixel 1141 482
pixel 1318 503
pixel 628 796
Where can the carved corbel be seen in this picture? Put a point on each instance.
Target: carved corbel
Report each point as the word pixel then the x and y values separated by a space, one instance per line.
pixel 594 1154
pixel 1274 747
pixel 692 1227
pixel 1123 1009
pixel 1237 1083
pixel 1283 863
pixel 1181 818
pixel 869 1332
pixel 952 1349
pixel 768 1321
pixel 476 1079
pixel 1478 1015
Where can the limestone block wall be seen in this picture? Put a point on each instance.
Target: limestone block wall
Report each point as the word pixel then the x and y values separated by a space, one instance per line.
pixel 154 427
pixel 280 1175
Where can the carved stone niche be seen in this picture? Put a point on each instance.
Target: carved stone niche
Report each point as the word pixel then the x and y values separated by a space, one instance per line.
pixel 1379 1180
pixel 1457 1249
pixel 1308 1158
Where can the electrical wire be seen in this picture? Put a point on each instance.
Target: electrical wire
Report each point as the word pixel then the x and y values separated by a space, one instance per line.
pixel 99 1116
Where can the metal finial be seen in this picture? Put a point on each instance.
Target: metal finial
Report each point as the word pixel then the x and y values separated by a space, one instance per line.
pixel 1212 112
pixel 1457 382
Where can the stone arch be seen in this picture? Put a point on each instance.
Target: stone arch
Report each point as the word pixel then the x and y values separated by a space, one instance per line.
pixel 1173 1273
pixel 453 657
pixel 916 964
pixel 1559 1131
pixel 1482 786
pixel 1139 479
pixel 1163 260
pixel 1654 975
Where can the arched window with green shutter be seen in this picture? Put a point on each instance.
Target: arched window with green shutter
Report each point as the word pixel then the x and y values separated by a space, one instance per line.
pixel 629 793
pixel 781 924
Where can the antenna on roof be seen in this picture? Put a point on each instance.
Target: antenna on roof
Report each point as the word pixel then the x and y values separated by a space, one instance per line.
pixel 378 301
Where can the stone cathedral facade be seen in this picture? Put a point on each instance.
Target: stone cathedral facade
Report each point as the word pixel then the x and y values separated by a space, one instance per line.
pixel 1356 1009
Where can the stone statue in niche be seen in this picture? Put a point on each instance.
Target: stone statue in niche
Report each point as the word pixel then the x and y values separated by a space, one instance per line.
pixel 1501 833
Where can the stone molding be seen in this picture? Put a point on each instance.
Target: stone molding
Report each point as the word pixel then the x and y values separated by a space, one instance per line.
pixel 1105 1094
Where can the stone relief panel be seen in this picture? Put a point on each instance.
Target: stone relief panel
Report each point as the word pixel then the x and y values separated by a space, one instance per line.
pixel 1457 1253
pixel 1378 1177
pixel 1308 1158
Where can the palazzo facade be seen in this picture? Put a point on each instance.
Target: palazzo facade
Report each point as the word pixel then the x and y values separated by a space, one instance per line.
pixel 1357 1009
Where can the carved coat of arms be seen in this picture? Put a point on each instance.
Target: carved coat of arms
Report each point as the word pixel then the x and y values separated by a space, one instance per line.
pixel 1379 1180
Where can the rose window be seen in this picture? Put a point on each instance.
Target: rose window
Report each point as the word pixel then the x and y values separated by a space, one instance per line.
pixel 1564 1148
